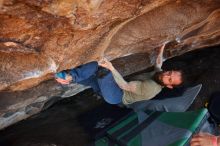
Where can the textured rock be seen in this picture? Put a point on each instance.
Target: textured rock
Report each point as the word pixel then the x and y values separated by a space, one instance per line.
pixel 41 37
pixel 45 36
pixel 16 106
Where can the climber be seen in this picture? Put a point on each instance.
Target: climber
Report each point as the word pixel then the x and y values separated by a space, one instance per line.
pixel 107 81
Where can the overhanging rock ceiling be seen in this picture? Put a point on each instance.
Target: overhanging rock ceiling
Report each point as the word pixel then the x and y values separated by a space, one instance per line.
pixel 41 37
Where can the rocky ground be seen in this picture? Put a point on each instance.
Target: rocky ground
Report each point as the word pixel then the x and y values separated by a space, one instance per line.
pixel 60 126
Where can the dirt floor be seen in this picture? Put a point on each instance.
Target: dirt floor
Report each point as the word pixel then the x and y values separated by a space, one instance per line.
pixel 68 122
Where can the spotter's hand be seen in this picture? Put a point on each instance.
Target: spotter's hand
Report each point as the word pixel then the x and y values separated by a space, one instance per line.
pixel 203 139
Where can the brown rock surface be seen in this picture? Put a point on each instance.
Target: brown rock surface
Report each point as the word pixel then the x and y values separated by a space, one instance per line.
pixel 41 37
pixel 45 36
